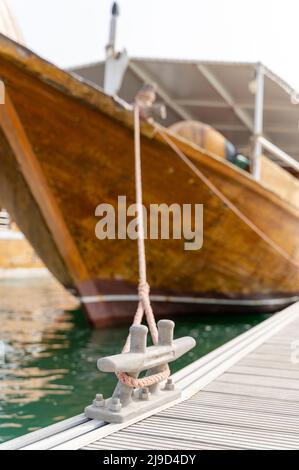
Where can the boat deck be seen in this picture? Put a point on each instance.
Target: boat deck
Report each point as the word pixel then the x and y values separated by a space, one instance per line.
pixel 243 395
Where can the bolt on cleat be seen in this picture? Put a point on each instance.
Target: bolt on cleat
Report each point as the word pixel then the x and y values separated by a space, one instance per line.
pixel 169 385
pixel 99 401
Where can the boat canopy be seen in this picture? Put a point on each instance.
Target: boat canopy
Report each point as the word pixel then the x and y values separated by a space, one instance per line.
pixel 8 23
pixel 221 94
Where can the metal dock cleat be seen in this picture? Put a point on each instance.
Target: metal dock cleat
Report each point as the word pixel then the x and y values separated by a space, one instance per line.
pixel 128 402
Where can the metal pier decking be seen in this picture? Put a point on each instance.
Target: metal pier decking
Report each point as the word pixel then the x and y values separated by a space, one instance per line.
pixel 243 395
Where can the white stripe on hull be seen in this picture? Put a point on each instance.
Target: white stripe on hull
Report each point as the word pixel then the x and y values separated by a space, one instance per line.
pixel 188 300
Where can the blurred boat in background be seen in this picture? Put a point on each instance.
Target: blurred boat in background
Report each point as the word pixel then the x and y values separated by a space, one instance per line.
pixel 17 257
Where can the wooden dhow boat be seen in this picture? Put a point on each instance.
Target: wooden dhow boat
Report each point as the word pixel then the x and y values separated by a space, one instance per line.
pixel 66 146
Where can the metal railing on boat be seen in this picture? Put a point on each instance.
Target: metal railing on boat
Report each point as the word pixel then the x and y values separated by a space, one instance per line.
pixel 259 141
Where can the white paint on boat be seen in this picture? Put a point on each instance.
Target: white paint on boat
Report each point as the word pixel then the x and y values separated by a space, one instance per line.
pixel 190 300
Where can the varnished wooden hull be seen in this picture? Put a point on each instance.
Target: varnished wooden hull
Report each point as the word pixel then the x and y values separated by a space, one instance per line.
pixel 65 147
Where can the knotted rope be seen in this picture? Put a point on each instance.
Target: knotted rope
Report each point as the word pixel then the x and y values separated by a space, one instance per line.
pixel 144 304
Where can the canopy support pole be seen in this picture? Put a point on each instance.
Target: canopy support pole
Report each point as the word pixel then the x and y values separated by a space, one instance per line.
pixel 258 122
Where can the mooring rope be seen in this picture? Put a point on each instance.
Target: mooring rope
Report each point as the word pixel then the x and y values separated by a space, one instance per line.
pixel 163 133
pixel 144 304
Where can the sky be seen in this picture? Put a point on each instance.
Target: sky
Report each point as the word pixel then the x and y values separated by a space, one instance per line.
pixel 74 32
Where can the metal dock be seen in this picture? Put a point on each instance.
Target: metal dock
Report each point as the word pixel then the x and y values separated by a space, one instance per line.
pixel 243 395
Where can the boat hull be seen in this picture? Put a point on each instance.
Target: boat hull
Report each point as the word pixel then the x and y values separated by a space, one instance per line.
pixel 66 147
pixel 109 303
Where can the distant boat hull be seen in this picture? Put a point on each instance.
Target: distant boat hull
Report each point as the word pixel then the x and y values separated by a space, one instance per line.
pixel 16 254
pixel 66 147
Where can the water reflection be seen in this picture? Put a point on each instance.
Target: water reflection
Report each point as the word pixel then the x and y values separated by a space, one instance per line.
pixel 50 366
pixel 33 325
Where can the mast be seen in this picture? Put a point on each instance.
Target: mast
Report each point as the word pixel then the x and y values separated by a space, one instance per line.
pixel 110 48
pixel 116 62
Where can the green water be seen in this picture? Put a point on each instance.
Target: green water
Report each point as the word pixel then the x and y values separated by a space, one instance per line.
pixel 49 372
